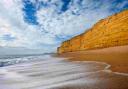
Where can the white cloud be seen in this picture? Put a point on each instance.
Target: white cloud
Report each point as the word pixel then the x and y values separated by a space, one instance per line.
pixel 12 22
pixel 68 24
pixel 53 23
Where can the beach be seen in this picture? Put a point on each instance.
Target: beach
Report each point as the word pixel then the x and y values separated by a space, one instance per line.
pixel 117 57
pixel 48 72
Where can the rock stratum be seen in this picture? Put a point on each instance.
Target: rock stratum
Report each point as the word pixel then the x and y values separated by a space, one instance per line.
pixel 108 32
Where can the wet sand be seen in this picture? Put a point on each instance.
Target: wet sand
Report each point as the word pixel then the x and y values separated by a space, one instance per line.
pixel 117 57
pixel 59 73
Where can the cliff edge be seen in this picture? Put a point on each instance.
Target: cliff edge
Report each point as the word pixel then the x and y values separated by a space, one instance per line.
pixel 108 32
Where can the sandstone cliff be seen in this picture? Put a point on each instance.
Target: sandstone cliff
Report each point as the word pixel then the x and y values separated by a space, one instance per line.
pixel 108 32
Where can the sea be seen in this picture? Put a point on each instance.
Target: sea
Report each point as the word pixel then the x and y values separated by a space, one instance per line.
pixel 46 71
pixel 6 60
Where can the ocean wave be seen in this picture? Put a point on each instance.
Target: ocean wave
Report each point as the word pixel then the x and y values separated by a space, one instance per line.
pixel 46 72
pixel 15 59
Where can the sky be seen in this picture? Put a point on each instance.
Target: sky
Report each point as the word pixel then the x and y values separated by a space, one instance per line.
pixel 44 24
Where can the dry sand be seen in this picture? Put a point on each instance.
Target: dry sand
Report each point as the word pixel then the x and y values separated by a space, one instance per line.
pixel 117 57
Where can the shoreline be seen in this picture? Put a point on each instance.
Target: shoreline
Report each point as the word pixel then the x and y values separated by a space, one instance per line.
pixel 107 68
pixel 117 57
pixel 59 73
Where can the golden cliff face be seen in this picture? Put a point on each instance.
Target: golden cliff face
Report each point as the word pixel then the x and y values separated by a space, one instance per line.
pixel 111 31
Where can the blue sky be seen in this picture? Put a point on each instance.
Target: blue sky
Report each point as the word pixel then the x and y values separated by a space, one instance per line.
pixel 44 24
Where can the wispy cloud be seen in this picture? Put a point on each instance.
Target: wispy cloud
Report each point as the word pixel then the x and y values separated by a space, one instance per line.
pixel 46 23
pixel 71 17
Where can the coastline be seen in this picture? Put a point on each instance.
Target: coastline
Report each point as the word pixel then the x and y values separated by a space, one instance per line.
pixel 117 57
pixel 58 73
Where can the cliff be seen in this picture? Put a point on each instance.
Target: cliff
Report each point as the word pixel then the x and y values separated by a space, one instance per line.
pixel 108 32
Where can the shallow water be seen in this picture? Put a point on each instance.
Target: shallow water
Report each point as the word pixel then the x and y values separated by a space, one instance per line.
pixel 57 73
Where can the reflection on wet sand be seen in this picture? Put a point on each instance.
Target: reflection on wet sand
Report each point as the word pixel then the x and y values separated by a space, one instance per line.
pixel 57 73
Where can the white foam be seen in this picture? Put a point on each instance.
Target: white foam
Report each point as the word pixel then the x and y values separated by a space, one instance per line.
pixel 53 72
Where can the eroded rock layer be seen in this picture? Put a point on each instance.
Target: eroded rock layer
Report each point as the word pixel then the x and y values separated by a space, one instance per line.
pixel 108 32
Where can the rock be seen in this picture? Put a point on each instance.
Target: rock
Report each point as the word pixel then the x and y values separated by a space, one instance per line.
pixel 108 32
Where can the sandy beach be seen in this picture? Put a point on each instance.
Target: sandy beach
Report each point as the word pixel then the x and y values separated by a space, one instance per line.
pixel 49 72
pixel 117 57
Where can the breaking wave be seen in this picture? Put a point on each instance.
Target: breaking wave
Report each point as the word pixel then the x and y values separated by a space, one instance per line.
pixel 57 73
